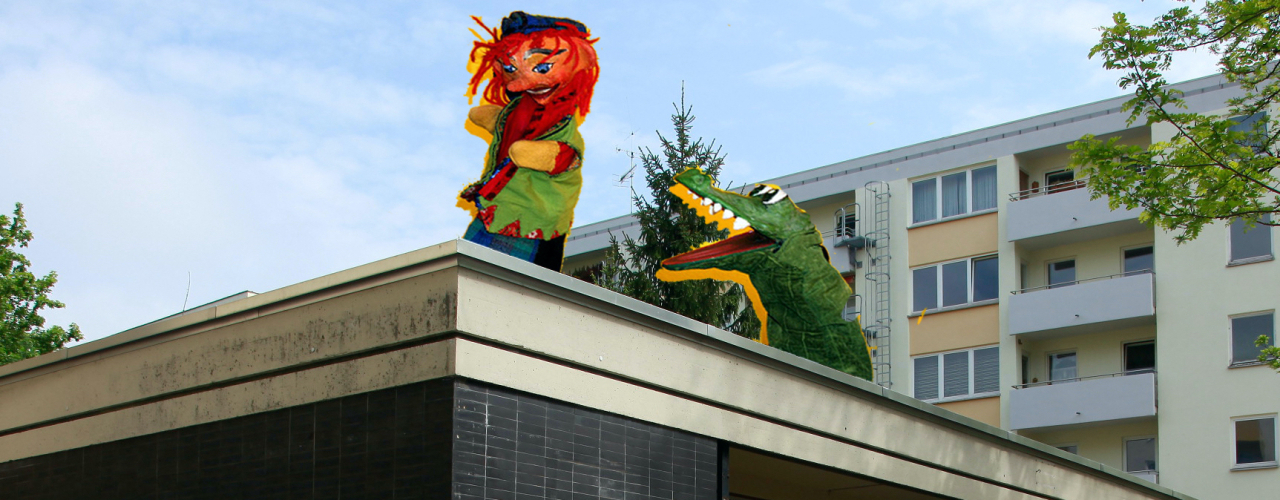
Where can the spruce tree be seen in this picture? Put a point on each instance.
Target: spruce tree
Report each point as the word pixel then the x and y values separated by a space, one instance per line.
pixel 668 228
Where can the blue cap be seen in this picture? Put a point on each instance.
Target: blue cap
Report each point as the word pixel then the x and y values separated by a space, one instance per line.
pixel 520 22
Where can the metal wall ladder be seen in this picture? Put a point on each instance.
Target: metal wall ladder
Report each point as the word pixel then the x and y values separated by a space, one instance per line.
pixel 876 319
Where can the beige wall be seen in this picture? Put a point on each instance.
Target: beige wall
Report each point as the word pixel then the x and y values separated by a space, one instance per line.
pixel 985 410
pixel 823 215
pixel 1100 353
pixel 965 237
pixel 577 262
pixel 1200 397
pixel 242 345
pixel 1103 443
pixel 1094 258
pixel 945 331
pixel 1056 158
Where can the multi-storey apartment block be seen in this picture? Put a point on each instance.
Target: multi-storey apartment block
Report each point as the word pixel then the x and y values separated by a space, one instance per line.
pixel 992 285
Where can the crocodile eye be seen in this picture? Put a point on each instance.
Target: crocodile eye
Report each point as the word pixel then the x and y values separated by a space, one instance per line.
pixel 777 196
pixel 762 190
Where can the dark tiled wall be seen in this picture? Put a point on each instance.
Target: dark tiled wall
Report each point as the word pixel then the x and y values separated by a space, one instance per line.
pixel 515 446
pixel 392 443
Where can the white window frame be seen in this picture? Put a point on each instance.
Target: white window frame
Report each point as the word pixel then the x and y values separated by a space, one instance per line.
pixel 938 398
pixel 1231 337
pixel 1269 256
pixel 937 195
pixel 1124 357
pixel 1234 441
pixel 1049 275
pixel 968 271
pixel 1152 246
pixel 1048 362
pixel 1124 452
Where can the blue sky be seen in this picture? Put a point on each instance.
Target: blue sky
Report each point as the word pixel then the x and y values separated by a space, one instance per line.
pixel 259 144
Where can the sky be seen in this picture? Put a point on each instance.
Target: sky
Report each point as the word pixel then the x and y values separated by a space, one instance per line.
pixel 172 153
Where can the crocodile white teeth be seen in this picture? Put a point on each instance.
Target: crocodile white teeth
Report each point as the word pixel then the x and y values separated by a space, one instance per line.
pixel 715 207
pixel 740 224
pixel 706 202
pixel 728 214
pixel 695 197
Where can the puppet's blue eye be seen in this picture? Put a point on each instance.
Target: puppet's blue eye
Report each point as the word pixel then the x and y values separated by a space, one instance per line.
pixel 508 68
pixel 542 68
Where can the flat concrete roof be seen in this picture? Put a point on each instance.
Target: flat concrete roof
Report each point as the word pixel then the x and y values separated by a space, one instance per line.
pixel 458 309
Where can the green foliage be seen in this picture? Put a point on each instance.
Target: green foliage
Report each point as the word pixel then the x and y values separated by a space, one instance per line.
pixel 1214 167
pixel 22 296
pixel 667 228
pixel 1270 354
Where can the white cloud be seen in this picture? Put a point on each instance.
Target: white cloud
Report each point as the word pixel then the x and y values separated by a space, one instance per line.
pixel 853 82
pixel 852 12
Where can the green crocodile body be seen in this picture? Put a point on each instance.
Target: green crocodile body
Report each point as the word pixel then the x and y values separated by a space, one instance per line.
pixel 775 252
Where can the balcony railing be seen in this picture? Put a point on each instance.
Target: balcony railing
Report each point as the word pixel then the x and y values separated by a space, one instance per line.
pixel 1077 379
pixel 1118 396
pixel 1083 306
pixel 1086 280
pixel 1050 189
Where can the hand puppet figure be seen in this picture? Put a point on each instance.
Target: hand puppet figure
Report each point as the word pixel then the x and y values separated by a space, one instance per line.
pixel 776 254
pixel 538 74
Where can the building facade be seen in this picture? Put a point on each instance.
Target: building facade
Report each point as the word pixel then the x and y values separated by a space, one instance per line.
pixel 991 285
pixel 458 372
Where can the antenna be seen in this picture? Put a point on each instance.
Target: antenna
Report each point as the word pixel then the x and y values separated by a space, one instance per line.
pixel 629 175
pixel 188 295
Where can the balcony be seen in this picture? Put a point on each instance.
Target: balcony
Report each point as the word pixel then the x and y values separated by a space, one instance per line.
pixel 1063 213
pixel 1082 401
pixel 1147 475
pixel 1086 306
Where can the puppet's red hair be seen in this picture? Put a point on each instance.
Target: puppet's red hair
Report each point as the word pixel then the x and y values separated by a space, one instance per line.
pixel 486 54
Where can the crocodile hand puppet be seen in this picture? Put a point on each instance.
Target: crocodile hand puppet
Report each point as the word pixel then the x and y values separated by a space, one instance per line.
pixel 776 254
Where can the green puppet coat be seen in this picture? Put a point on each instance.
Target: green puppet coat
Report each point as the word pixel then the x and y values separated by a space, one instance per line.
pixel 538 200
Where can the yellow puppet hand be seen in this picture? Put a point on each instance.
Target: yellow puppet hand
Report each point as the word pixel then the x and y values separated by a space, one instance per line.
pixel 484 116
pixel 537 155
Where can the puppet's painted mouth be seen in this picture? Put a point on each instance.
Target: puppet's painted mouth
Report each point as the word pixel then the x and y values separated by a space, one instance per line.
pixel 742 238
pixel 541 90
pixel 745 242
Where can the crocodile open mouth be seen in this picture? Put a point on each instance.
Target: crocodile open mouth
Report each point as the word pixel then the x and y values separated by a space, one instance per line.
pixel 742 238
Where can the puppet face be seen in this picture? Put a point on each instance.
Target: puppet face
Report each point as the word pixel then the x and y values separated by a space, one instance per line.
pixel 540 69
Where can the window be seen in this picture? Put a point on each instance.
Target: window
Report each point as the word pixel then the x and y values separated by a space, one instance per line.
pixel 1062 273
pixel 1139 357
pixel 1253 243
pixel 955 283
pixel 956 194
pixel 1245 331
pixel 1140 454
pixel 1069 448
pixel 1139 260
pixel 1062 367
pixel 973 372
pixel 955 199
pixel 924 200
pixel 1060 180
pixel 1245 125
pixel 1255 442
